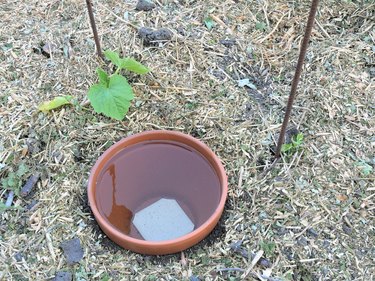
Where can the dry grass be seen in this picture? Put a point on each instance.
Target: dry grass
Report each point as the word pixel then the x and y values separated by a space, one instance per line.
pixel 313 214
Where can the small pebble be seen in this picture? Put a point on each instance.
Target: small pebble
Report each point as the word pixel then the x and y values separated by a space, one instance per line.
pixel 263 215
pixel 264 262
pixel 325 271
pixel 326 244
pixel 282 231
pixel 235 245
pixel 312 232
pixel 33 146
pixel 288 253
pixel 18 257
pixel 31 205
pixel 72 249
pixel 114 274
pixel 144 5
pixel 63 276
pixel 290 133
pixel 149 35
pixel 49 48
pixel 302 241
pixel 228 42
pixel 347 229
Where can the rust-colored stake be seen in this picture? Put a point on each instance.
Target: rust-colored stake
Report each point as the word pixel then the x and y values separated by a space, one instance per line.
pixel 297 75
pixel 93 26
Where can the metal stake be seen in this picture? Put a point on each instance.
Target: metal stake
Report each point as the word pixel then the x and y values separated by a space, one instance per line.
pixel 93 26
pixel 297 75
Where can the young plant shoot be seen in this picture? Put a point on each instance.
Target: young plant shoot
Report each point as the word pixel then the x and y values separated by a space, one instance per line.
pixel 113 94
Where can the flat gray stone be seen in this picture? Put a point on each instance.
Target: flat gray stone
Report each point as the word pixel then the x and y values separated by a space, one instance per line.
pixel 162 220
pixel 152 37
pixel 72 249
pixel 145 5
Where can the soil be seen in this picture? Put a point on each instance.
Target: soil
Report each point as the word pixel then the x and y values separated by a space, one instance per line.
pixel 311 215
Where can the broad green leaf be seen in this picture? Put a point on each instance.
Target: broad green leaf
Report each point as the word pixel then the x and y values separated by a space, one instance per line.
pixel 113 57
pixel 132 65
pixel 112 100
pixel 103 76
pixel 55 103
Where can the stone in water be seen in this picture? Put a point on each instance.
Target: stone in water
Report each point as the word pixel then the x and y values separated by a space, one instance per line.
pixel 163 220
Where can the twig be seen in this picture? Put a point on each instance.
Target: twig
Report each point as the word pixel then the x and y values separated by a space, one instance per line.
pixel 273 30
pixel 297 75
pixel 26 189
pixel 322 29
pixel 230 269
pixel 219 21
pixel 255 260
pixel 236 247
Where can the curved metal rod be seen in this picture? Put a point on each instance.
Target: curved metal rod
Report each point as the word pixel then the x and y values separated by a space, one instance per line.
pixel 297 75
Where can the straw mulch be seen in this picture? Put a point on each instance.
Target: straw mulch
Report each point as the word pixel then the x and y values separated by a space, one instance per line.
pixel 310 217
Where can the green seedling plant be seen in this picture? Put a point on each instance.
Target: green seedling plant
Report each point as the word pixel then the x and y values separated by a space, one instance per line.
pixel 113 94
pixel 268 247
pixel 293 146
pixel 13 183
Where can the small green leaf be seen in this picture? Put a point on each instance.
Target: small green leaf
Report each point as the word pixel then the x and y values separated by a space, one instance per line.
pixel 10 181
pixel 366 169
pixel 261 26
pixel 268 247
pixel 113 57
pixel 22 170
pixel 209 22
pixel 112 100
pixel 55 103
pixel 286 147
pixel 105 277
pixel 135 66
pixel 103 76
pixel 298 139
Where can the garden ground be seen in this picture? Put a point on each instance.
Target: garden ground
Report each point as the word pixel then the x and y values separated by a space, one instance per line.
pixel 311 217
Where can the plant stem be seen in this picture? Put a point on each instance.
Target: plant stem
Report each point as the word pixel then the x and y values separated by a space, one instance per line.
pixel 297 75
pixel 117 70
